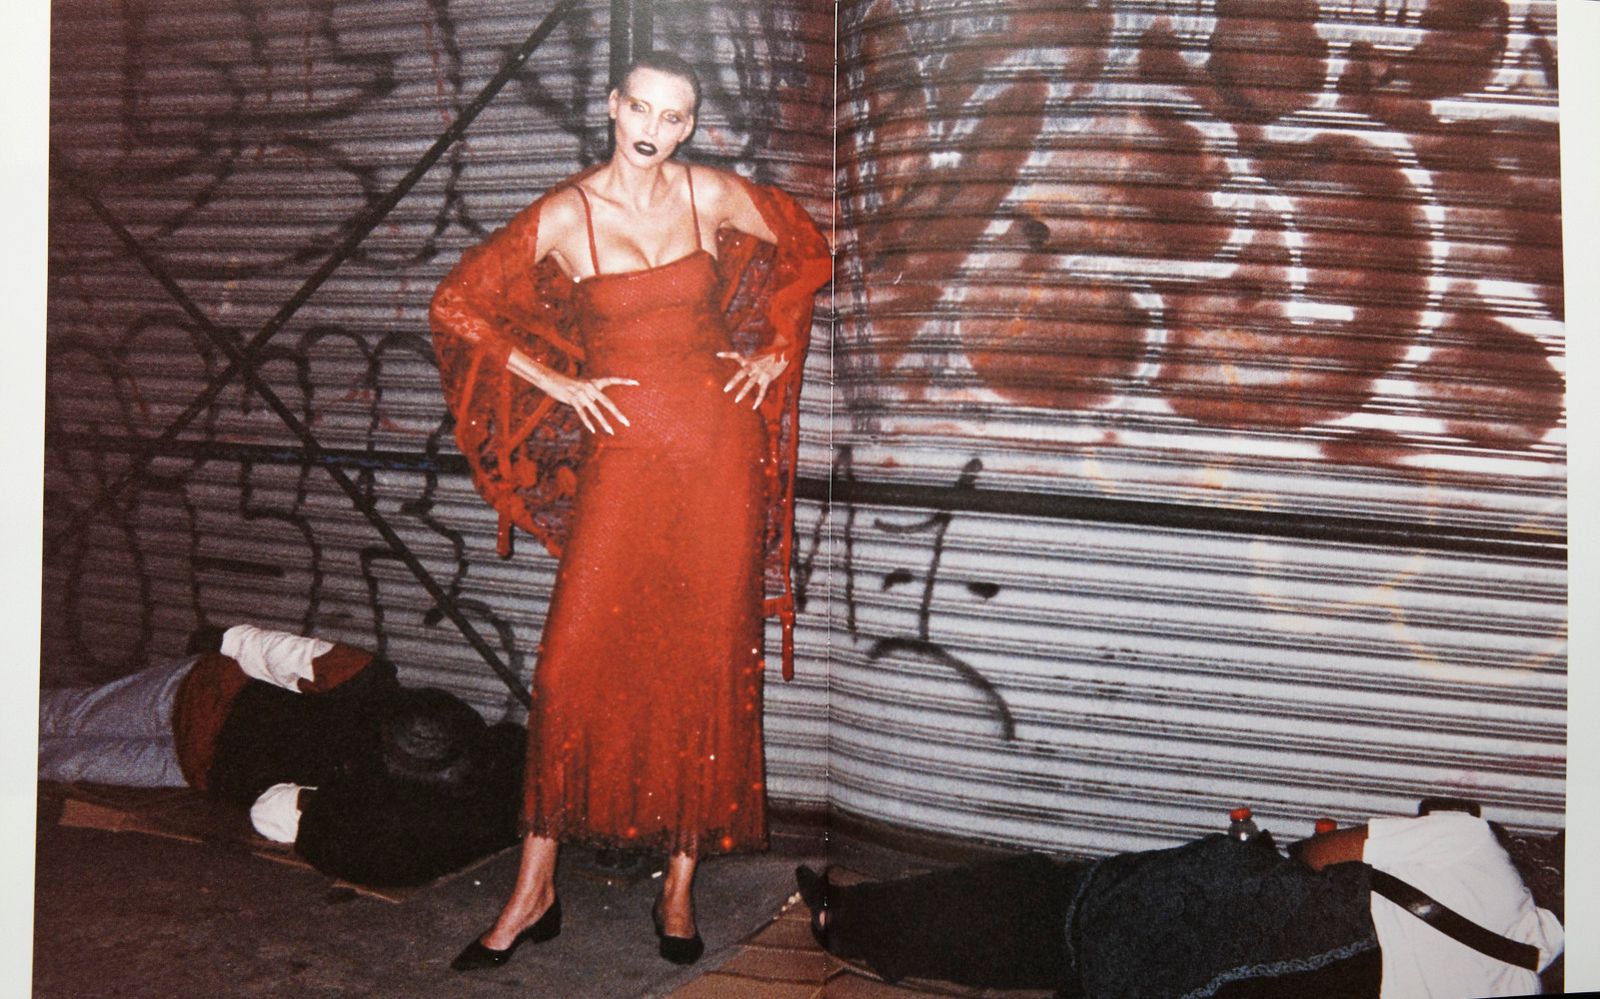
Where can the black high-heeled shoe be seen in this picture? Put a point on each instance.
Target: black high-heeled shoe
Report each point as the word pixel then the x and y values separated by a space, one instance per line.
pixel 678 950
pixel 476 956
pixel 814 893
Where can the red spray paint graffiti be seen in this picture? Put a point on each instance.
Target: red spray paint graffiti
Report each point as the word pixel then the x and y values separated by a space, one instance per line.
pixel 1264 216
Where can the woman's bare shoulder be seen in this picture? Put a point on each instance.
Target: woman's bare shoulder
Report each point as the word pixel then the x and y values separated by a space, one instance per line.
pixel 730 193
pixel 560 216
pixel 735 207
pixel 561 207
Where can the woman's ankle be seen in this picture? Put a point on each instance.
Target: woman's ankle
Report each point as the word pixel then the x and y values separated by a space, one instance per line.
pixel 676 915
pixel 519 913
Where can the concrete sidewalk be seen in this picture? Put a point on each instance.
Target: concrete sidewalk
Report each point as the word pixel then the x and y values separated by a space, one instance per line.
pixel 133 915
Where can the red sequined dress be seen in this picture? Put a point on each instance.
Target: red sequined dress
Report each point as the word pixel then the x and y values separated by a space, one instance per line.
pixel 645 728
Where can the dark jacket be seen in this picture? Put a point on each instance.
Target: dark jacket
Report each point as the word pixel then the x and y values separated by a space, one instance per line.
pixel 236 736
pixel 384 831
pixel 271 735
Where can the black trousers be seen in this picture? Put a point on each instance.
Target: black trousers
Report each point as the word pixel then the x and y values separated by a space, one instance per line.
pixel 1001 925
pixel 997 924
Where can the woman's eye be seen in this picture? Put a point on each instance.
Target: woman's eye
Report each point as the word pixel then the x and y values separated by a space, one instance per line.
pixel 636 106
pixel 674 119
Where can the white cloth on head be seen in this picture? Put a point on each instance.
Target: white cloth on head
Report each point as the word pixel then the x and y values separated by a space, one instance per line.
pixel 1455 858
pixel 276 814
pixel 274 656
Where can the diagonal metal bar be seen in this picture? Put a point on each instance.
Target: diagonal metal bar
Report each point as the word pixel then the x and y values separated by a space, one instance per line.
pixel 360 227
pixel 315 453
pixel 242 359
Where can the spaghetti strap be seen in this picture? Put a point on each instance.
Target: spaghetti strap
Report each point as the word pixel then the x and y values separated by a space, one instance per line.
pixel 693 212
pixel 588 219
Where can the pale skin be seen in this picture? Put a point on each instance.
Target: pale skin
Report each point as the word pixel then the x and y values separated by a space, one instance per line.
pixel 640 201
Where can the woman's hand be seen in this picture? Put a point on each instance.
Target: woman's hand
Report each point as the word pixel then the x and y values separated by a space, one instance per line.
pixel 754 373
pixel 586 395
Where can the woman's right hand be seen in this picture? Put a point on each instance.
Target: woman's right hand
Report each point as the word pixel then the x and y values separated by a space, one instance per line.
pixel 586 395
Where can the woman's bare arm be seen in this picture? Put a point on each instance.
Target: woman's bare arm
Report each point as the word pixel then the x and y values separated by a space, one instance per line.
pixel 733 208
pixel 561 228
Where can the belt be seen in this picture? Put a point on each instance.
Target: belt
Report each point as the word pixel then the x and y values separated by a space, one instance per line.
pixel 1453 924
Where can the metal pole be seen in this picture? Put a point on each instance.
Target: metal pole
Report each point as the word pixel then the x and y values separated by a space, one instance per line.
pixel 643 28
pixel 621 35
pixel 632 32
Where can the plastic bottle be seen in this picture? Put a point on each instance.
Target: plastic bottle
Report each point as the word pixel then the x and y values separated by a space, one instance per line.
pixel 1241 826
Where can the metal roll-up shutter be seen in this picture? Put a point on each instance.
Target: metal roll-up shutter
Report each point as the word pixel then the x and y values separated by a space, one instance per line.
pixel 1200 436
pixel 236 142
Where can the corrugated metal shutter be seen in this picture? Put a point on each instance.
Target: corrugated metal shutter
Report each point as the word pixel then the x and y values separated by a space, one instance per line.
pixel 1224 340
pixel 236 142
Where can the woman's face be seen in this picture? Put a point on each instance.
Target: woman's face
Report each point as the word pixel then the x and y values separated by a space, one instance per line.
pixel 653 112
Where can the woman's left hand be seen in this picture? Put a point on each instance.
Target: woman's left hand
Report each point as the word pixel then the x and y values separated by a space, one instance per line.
pixel 754 373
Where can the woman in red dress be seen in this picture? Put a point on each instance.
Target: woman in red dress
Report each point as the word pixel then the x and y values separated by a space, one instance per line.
pixel 664 309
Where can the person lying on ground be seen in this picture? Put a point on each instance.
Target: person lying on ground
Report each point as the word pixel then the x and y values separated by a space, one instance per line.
pixel 1215 917
pixel 372 782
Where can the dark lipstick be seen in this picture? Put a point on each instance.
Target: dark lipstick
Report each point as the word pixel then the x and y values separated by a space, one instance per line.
pixel 644 148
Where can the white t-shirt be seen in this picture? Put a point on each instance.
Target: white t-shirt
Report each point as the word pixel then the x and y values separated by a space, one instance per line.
pixel 1455 858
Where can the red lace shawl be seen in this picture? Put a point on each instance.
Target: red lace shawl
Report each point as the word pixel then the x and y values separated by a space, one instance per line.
pixel 524 448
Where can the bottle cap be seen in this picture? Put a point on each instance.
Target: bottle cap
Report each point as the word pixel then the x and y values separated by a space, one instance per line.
pixel 1239 814
pixel 1326 825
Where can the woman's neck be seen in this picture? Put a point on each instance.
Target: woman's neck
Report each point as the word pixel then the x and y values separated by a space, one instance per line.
pixel 634 188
